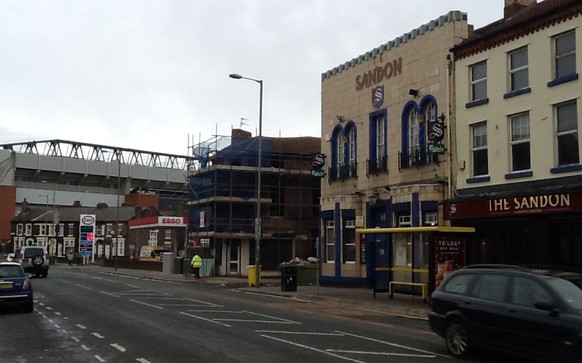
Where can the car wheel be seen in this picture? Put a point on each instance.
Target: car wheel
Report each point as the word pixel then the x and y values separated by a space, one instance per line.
pixel 38 260
pixel 44 274
pixel 457 339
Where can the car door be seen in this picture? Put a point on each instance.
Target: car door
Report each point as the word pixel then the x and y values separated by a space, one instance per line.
pixel 531 330
pixel 487 310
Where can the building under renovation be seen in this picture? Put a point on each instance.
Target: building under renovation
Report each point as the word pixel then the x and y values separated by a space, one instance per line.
pixel 224 201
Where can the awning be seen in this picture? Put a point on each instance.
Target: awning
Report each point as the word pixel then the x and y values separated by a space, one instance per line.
pixel 444 229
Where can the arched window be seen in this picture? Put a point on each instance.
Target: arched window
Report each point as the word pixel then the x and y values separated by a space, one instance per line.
pixel 351 150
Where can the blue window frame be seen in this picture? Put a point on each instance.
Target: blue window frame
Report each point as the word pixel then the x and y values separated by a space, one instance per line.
pixel 378 159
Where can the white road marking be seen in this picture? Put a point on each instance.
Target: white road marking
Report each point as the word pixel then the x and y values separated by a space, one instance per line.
pixel 208 320
pixel 394 345
pixel 142 360
pixel 118 347
pixel 81 326
pixel 85 347
pixel 388 354
pixel 99 358
pixel 49 308
pixel 97 335
pixel 254 321
pixel 57 313
pixel 146 304
pixel 272 317
pixel 75 339
pixel 300 333
pixel 108 293
pixel 134 286
pixel 311 348
pixel 57 326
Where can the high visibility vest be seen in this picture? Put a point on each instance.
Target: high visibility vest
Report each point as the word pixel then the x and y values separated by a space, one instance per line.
pixel 196 261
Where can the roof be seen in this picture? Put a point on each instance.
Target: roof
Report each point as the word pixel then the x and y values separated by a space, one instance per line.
pixel 450 17
pixel 528 20
pixel 71 214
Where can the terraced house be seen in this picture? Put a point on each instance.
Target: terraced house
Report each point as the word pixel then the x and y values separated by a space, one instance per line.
pixel 518 136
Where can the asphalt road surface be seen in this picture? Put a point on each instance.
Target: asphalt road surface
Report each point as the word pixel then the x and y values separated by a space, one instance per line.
pixel 83 315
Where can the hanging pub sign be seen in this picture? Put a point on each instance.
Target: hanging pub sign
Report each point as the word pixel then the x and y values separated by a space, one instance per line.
pixel 317 165
pixel 436 134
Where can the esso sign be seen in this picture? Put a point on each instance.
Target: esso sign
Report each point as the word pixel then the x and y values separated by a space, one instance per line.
pixel 172 221
pixel 88 219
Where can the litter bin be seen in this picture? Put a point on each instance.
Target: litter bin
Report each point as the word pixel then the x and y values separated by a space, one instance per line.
pixel 167 259
pixel 288 278
pixel 252 274
pixel 178 265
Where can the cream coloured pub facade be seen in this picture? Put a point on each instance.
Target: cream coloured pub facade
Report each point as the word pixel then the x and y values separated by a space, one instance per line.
pixel 519 180
pixel 386 135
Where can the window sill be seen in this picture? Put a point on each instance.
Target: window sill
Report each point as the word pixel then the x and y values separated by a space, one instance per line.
pixel 517 92
pixel 477 103
pixel 561 80
pixel 519 174
pixel 566 169
pixel 478 179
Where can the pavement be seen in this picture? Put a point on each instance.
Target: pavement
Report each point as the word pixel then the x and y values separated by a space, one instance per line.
pixel 351 297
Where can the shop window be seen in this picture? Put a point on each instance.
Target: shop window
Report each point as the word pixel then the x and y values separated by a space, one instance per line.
pixel 329 241
pixel 520 142
pixel 479 149
pixel 28 229
pixel 518 69
pixel 404 220
pixel 564 55
pixel 430 218
pixel 349 242
pixel 402 249
pixel 71 229
pixel 567 133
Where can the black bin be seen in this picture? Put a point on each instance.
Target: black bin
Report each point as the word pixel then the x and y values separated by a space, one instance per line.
pixel 178 265
pixel 288 278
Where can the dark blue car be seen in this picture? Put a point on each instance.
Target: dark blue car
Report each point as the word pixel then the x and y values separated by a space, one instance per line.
pixel 15 287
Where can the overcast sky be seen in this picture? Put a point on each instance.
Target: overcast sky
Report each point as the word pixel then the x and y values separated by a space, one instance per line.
pixel 146 74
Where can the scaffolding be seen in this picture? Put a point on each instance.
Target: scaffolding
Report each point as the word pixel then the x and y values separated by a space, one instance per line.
pixel 223 181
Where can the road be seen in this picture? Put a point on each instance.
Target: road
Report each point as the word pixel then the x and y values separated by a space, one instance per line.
pixel 83 315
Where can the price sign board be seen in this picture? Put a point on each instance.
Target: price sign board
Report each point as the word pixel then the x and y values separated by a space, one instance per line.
pixel 86 234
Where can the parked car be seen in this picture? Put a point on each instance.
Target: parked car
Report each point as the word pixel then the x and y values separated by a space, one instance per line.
pixel 509 308
pixel 15 287
pixel 34 260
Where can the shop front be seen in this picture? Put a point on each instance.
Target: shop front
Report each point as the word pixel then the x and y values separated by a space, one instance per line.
pixel 534 229
pixel 434 252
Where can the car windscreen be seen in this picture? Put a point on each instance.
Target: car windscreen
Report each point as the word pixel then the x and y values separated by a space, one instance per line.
pixel 569 291
pixel 31 252
pixel 7 271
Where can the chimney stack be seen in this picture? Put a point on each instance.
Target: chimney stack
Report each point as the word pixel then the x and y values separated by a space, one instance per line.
pixel 514 6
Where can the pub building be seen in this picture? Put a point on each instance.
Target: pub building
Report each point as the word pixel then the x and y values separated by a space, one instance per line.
pixel 518 174
pixel 535 224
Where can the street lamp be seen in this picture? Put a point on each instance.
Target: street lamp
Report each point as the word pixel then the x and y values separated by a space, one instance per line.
pixel 116 251
pixel 258 226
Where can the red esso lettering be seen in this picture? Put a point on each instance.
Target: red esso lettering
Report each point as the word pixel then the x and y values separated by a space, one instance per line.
pixel 171 220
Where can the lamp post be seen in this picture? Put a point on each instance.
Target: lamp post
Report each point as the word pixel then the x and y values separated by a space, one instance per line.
pixel 117 211
pixel 258 226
